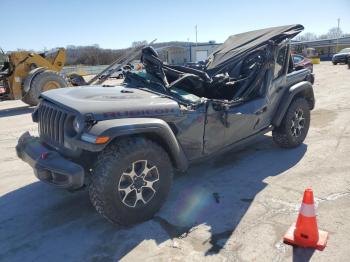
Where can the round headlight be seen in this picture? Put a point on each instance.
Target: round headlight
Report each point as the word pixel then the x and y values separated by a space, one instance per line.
pixel 78 124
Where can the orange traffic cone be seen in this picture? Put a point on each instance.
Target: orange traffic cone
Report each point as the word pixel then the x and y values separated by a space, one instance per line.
pixel 305 232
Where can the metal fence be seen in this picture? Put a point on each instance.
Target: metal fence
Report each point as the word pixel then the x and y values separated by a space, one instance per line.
pixel 83 69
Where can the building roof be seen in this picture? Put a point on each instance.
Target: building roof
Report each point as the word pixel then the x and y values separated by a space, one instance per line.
pixel 324 42
pixel 170 47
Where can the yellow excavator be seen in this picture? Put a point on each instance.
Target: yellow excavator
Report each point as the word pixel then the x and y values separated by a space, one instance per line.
pixel 25 75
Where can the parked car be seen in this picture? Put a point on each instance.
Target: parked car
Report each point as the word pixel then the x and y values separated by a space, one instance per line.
pixel 301 62
pixel 196 65
pixel 341 57
pixel 124 142
pixel 119 74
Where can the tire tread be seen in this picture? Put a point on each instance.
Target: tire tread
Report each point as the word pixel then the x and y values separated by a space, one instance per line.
pixel 104 166
pixel 280 134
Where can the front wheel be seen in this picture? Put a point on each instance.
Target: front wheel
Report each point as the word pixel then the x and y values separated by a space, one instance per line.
pixel 131 180
pixel 334 63
pixel 295 125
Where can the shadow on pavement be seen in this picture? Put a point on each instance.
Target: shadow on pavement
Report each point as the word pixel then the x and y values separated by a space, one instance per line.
pixel 41 223
pixel 16 111
pixel 302 254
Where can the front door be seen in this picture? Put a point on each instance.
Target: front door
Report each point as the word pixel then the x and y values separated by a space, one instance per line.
pixel 253 116
pixel 227 125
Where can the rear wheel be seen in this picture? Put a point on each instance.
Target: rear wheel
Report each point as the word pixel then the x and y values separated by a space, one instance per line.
pixel 42 82
pixel 294 126
pixel 334 63
pixel 131 180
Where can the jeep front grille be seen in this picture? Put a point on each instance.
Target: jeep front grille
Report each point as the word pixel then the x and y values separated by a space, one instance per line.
pixel 51 123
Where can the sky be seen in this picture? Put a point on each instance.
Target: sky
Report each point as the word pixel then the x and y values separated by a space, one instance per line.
pixel 45 24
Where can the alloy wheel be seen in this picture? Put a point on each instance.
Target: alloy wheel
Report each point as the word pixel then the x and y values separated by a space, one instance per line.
pixel 138 184
pixel 298 123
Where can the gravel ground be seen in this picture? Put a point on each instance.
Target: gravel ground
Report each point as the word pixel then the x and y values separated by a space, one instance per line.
pixel 259 191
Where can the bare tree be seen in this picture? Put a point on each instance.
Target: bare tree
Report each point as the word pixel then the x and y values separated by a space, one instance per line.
pixel 306 37
pixel 323 36
pixel 139 43
pixel 91 55
pixel 331 34
pixel 334 33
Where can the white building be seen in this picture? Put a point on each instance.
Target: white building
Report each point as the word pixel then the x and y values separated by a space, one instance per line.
pixel 181 54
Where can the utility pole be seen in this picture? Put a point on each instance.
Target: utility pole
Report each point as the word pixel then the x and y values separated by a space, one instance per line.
pixel 196 33
pixel 190 49
pixel 336 49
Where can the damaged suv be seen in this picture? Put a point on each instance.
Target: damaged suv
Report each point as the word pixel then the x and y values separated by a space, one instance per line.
pixel 124 142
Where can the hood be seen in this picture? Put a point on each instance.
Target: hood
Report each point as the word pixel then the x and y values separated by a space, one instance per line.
pixel 237 45
pixel 341 54
pixel 112 102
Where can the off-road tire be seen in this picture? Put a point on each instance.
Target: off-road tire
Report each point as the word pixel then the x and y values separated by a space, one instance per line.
pixel 108 170
pixel 283 135
pixel 38 83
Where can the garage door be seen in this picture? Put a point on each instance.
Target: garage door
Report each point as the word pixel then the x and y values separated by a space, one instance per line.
pixel 201 55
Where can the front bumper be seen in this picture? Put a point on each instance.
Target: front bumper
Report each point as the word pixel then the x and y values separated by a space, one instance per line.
pixel 49 166
pixel 340 59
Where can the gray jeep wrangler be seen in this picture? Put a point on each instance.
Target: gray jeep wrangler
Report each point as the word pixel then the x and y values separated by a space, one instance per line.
pixel 124 142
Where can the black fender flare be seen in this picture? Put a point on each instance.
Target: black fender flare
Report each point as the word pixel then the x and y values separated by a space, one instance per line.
pixel 154 128
pixel 302 89
pixel 28 81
